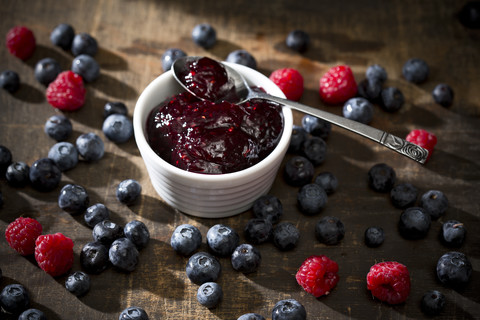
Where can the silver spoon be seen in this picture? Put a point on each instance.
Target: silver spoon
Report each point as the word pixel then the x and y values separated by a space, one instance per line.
pixel 244 92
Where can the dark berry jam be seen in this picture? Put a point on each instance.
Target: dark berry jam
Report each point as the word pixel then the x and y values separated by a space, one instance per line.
pixel 207 137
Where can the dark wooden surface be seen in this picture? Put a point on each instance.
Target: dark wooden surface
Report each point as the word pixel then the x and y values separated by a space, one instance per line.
pixel 133 35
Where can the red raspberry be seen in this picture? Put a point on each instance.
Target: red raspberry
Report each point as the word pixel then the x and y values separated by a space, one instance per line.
pixel 338 85
pixel 66 92
pixel 389 281
pixel 318 275
pixel 54 253
pixel 22 233
pixel 423 139
pixel 290 81
pixel 21 42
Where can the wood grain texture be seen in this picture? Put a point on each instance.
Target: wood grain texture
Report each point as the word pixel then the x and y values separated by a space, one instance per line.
pixel 134 34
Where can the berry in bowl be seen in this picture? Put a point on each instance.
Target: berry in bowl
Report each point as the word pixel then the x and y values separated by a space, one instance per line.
pixel 211 159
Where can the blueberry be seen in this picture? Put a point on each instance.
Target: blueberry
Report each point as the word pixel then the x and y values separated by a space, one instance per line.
pixel 268 207
pixel 370 90
pixel 78 283
pixel 329 230
pixel 443 95
pixel 73 199
pixel 403 195
pixel 376 72
pixel 14 298
pixel 415 70
pixel 204 35
pixel 94 257
pixel 311 199
pixel 374 236
pixel 298 40
pixel 106 232
pixel 298 171
pixel 45 175
pixel 186 239
pixel 47 70
pixel 285 236
pixel 32 314
pixel 5 159
pixel 17 174
pixel 358 109
pixel 209 294
pixel 84 43
pixel 133 313
pixel 128 191
pixel 58 127
pixel 454 269
pixel 123 255
pixel 414 223
pixel 64 154
pixel 203 267
pixel 90 146
pixel 299 134
pixel 316 127
pixel 242 57
pixel 433 302
pixel 434 202
pixel 87 67
pixel 9 80
pixel 392 99
pixel 289 309
pixel 169 57
pixel 328 181
pixel 469 15
pixel 315 150
pixel 96 214
pixel 222 240
pixel 115 107
pixel 251 316
pixel 117 128
pixel 258 230
pixel 381 177
pixel 62 36
pixel 246 258
pixel 453 233
pixel 137 232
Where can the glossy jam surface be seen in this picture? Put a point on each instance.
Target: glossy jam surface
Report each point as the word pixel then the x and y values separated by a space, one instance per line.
pixel 207 137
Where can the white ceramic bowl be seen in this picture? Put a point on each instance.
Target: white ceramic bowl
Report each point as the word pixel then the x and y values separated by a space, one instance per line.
pixel 208 195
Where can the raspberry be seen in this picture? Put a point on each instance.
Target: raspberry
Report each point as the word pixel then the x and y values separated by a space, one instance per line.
pixel 66 92
pixel 21 42
pixel 318 275
pixel 22 233
pixel 54 253
pixel 338 85
pixel 389 281
pixel 290 81
pixel 423 139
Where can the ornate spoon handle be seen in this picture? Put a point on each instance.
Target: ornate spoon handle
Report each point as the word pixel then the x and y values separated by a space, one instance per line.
pixel 395 143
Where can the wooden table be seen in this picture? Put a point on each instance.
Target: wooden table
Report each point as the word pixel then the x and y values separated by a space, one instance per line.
pixel 133 35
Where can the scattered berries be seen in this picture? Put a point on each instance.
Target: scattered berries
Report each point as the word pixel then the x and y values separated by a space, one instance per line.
pixel 415 70
pixel 454 269
pixel 204 35
pixel 258 231
pixel 290 81
pixel 118 128
pixel 435 203
pixel 66 92
pixel 45 175
pixel 54 253
pixel 137 232
pixel 32 313
pixel 14 298
pixel 222 240
pixel 17 174
pixel 114 107
pixel 358 109
pixel 128 191
pixel 94 257
pixel 47 70
pixel 87 67
pixel 246 258
pixel 133 313
pixel 453 233
pixel 5 159
pixel 389 282
pixel 22 233
pixel 376 73
pixel 78 283
pixel 209 294
pixel 424 139
pixel 251 316
pixel 203 267
pixel 433 302
pixel 374 237
pixel 299 134
pixel 62 36
pixel 391 99
pixel 242 57
pixel 64 154
pixel 316 127
pixel 169 57
pixel 268 207
pixel 84 43
pixel 289 309
pixel 90 146
pixel 96 214
pixel 9 80
pixel 73 199
pixel 106 232
pixel 414 223
pixel 21 42
pixel 285 236
pixel 298 40
pixel 123 255
pixel 329 230
pixel 315 150
pixel 338 85
pixel 328 181
pixel 311 199
pixel 318 275
pixel 443 95
pixel 403 195
pixel 58 127
pixel 381 177
pixel 186 239
pixel 298 171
